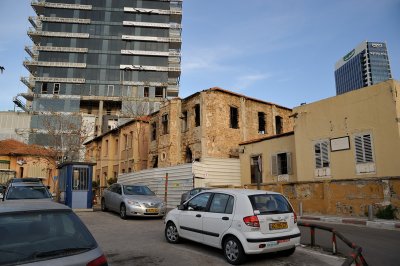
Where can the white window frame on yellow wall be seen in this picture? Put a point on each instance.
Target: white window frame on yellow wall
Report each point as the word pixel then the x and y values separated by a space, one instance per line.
pixel 322 158
pixel 364 153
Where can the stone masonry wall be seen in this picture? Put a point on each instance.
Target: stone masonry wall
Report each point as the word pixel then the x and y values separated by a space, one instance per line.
pixel 342 197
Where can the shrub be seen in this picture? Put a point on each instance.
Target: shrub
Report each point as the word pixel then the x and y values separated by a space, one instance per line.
pixel 111 180
pixel 387 212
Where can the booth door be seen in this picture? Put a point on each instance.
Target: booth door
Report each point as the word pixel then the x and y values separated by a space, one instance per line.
pixel 81 194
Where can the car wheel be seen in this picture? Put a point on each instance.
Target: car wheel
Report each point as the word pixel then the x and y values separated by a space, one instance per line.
pixel 233 251
pixel 288 252
pixel 171 233
pixel 103 205
pixel 122 211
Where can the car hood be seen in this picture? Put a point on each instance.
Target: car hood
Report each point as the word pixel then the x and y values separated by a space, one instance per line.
pixel 143 198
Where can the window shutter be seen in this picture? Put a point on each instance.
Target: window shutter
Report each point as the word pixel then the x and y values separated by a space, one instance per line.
pixel 289 163
pixel 359 149
pixel 368 148
pixel 317 152
pixel 274 165
pixel 325 154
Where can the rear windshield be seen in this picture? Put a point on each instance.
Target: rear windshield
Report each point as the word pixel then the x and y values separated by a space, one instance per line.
pixel 28 192
pixel 34 236
pixel 138 190
pixel 270 203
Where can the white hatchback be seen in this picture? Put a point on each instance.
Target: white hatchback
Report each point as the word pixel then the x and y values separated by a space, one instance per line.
pixel 239 221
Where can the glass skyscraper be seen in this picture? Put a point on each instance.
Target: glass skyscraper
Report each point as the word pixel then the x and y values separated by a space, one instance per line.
pixel 365 65
pixel 101 60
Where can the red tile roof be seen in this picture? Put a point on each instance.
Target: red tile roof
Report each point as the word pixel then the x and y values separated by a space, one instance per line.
pixel 14 147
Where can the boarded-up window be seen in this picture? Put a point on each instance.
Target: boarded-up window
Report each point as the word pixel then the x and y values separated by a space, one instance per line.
pixel 234 117
pixel 321 152
pixel 281 164
pixel 363 148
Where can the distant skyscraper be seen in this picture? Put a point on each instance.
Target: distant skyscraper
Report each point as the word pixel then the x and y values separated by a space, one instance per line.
pixel 365 65
pixel 99 60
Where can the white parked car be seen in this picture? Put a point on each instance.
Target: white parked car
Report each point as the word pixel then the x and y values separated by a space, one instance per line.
pixel 239 221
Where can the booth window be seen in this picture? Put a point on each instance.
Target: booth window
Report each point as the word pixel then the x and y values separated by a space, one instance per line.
pixel 80 178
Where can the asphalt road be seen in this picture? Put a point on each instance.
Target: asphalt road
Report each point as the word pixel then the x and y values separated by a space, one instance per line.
pixel 141 242
pixel 380 246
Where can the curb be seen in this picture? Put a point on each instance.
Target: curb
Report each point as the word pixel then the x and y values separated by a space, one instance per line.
pixel 390 224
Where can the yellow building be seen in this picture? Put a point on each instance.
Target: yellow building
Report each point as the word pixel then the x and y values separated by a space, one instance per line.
pixel 342 156
pixel 21 160
pixel 121 150
pixel 352 135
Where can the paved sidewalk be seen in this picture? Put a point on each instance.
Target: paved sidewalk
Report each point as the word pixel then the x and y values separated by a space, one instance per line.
pixel 376 223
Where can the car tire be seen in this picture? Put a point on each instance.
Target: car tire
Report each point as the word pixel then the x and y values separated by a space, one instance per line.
pixel 103 205
pixel 233 251
pixel 288 252
pixel 122 211
pixel 171 233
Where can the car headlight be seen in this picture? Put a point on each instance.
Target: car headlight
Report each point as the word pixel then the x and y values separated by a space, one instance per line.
pixel 134 203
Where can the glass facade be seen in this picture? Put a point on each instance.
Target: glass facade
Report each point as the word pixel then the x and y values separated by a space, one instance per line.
pixel 103 51
pixel 366 65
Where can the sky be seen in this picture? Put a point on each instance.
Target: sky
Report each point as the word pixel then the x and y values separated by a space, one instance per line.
pixel 277 51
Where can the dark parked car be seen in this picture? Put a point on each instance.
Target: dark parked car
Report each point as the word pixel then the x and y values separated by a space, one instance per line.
pixel 26 190
pixel 36 232
pixel 187 195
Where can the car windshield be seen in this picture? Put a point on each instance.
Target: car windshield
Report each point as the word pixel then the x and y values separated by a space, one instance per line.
pixel 33 236
pixel 28 192
pixel 270 203
pixel 137 190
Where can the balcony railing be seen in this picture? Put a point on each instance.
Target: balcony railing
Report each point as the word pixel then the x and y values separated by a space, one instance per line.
pixel 152 25
pixel 54 64
pixel 40 3
pixel 60 80
pixel 34 33
pixel 29 82
pixel 141 83
pixel 151 39
pixel 63 20
pixel 61 49
pixel 172 11
pixel 171 52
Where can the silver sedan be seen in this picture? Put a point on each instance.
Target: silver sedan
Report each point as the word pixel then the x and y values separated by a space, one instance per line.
pixel 132 200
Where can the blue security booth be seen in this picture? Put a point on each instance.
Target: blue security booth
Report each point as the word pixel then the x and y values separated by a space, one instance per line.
pixel 75 184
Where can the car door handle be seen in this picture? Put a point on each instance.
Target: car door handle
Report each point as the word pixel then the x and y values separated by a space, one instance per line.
pixel 198 215
pixel 225 218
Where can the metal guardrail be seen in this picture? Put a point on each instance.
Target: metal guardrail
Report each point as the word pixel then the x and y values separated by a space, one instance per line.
pixel 354 257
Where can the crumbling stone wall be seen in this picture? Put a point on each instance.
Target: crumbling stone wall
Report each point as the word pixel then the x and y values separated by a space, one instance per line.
pixel 349 197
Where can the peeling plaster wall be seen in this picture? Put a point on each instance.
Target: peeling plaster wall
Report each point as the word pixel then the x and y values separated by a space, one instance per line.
pixel 343 197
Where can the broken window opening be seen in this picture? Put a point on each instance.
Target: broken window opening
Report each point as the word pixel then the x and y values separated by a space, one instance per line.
pixel 261 123
pixel 278 125
pixel 189 155
pixel 197 115
pixel 164 121
pixel 234 117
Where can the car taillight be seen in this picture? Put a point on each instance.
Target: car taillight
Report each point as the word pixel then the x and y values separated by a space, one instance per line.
pixel 295 217
pixel 100 261
pixel 251 221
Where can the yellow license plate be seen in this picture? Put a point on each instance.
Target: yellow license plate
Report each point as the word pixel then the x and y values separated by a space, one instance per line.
pixel 278 226
pixel 152 210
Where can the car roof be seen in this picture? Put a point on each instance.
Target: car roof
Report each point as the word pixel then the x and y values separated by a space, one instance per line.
pixel 13 206
pixel 26 184
pixel 239 191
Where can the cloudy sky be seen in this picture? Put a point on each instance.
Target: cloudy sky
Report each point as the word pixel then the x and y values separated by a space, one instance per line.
pixel 278 51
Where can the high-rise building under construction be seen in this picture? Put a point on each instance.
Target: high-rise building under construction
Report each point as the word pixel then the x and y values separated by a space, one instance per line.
pixel 100 60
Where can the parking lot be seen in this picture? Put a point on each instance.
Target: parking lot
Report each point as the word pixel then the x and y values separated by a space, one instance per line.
pixel 141 242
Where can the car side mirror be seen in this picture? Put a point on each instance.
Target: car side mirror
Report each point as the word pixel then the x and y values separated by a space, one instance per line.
pixel 182 207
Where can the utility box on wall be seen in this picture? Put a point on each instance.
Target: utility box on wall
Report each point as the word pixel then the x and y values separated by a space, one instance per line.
pixel 75 184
